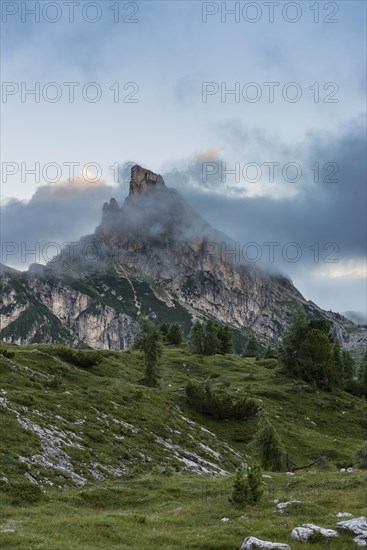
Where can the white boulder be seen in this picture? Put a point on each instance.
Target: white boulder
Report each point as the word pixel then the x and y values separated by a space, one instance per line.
pixel 357 526
pixel 283 505
pixel 307 530
pixel 252 543
pixel 344 515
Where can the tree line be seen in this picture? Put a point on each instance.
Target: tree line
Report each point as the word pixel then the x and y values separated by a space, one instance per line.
pixel 308 351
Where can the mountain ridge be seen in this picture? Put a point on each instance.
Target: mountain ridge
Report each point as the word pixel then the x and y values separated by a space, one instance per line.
pixel 153 257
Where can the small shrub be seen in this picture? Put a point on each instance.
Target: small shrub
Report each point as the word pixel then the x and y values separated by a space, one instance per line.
pixel 354 387
pixel 240 490
pixel 247 490
pixel 360 457
pixel 255 482
pixel 24 492
pixel 79 358
pixel 221 405
pixel 55 383
pixel 7 353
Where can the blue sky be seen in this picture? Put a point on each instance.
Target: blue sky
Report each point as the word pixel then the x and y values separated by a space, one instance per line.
pixel 168 54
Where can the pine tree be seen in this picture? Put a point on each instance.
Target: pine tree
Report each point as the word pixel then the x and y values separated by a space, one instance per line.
pixel 315 359
pixel 211 341
pixel 252 347
pixel 174 335
pixel 289 348
pixel 270 353
pixel 196 342
pixel 363 374
pixel 348 366
pixel 268 445
pixel 163 329
pixel 149 341
pixel 225 340
pixel 338 373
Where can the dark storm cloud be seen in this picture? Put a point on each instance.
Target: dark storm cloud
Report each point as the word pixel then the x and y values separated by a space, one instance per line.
pixel 55 214
pixel 322 212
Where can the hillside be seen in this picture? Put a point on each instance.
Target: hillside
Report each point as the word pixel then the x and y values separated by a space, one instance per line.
pixel 112 443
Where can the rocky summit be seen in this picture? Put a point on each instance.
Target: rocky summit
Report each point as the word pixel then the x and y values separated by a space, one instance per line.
pixel 153 257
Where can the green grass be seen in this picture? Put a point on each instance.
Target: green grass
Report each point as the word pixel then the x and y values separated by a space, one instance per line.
pixel 105 420
pixel 181 512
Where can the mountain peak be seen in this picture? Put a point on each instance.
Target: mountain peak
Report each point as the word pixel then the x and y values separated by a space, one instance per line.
pixel 143 181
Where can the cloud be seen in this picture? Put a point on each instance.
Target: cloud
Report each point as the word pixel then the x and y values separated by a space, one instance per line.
pixel 305 212
pixel 326 220
pixel 56 213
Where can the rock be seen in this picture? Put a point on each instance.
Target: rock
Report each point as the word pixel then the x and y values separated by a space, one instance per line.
pixel 307 530
pixel 349 470
pixel 342 469
pixel 344 515
pixel 143 181
pixel 357 526
pixel 224 520
pixel 252 542
pixel 290 473
pixel 266 476
pixel 283 505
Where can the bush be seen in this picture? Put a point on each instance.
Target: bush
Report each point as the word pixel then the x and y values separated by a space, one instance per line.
pixel 79 358
pixel 360 457
pixel 6 353
pixel 221 405
pixel 240 490
pixel 355 387
pixel 247 490
pixel 24 492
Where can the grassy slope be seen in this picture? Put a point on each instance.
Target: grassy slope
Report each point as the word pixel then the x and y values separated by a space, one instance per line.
pixel 146 509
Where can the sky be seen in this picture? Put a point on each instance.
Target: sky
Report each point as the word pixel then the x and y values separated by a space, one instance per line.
pixel 257 117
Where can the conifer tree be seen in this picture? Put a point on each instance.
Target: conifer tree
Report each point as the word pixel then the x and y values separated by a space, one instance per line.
pixel 338 372
pixel 268 445
pixel 174 335
pixel 196 342
pixel 348 366
pixel 270 353
pixel 315 359
pixel 149 341
pixel 363 374
pixel 252 347
pixel 211 341
pixel 289 348
pixel 163 329
pixel 225 340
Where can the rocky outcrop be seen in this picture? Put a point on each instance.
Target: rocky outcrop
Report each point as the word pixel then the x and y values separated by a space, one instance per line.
pixel 358 527
pixel 281 506
pixel 308 531
pixel 252 543
pixel 143 181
